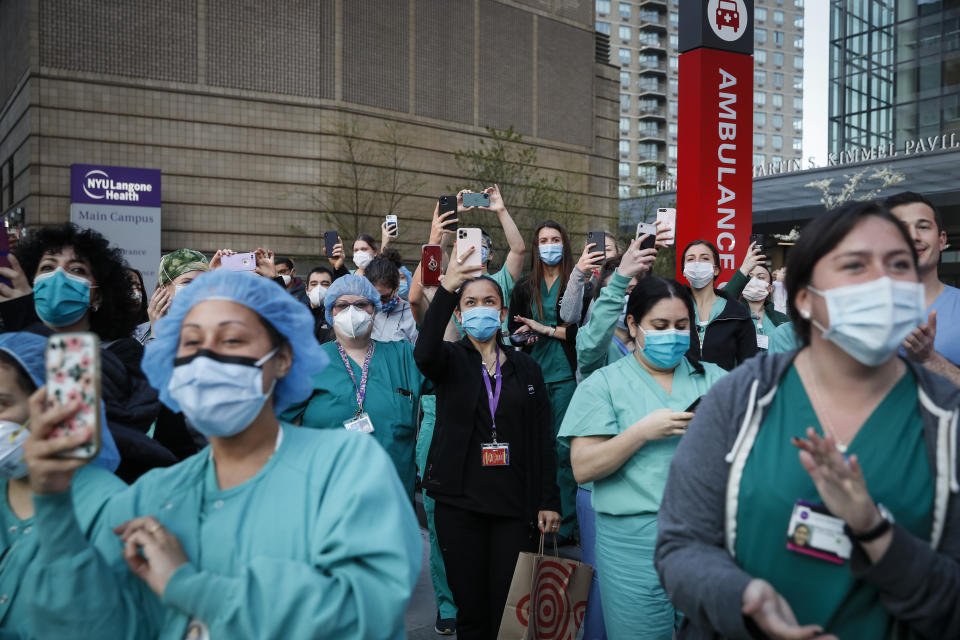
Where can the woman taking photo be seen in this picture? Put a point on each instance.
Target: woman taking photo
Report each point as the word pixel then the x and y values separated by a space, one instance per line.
pixel 753 284
pixel 623 425
pixel 491 465
pixel 723 328
pixel 843 436
pixel 370 386
pixel 265 534
pixel 535 307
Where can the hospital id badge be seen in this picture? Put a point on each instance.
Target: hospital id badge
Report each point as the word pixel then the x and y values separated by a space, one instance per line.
pixel 495 454
pixel 763 342
pixel 361 423
pixel 814 532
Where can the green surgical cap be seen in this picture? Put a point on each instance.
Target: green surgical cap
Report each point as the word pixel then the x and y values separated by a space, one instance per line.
pixel 173 265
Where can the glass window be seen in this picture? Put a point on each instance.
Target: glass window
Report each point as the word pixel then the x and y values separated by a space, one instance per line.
pixel 672 128
pixel 777 79
pixel 624 169
pixel 649 129
pixel 760 56
pixel 624 147
pixel 624 32
pixel 778 38
pixel 759 139
pixel 624 125
pixel 777 120
pixel 603 27
pixel 674 85
pixel 760 36
pixel 759 77
pixel 798 83
pixel 778 58
pixel 647 150
pixel 759 159
pixel 624 102
pixel 603 6
pixel 760 14
pixel 777 160
pixel 625 10
pixel 798 42
pixel 674 110
pixel 777 142
pixel 778 17
pixel 647 173
pixel 623 190
pixel 798 4
pixel 674 40
pixel 797 103
pixel 798 21
pixel 798 144
pixel 675 63
pixel 778 100
pixel 674 18
pixel 624 79
pixel 672 152
pixel 760 118
pixel 759 98
pixel 624 55
pixel 798 62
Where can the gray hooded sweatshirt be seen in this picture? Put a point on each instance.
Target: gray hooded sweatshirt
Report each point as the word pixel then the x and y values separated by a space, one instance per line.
pixel 918 580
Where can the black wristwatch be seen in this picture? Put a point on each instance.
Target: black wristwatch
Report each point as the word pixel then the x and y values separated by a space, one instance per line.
pixel 885 524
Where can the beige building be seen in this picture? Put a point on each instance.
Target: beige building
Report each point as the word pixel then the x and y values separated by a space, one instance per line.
pixel 274 121
pixel 643 42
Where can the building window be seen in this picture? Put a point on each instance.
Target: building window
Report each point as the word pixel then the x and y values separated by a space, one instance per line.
pixel 760 118
pixel 647 173
pixel 760 14
pixel 776 160
pixel 759 98
pixel 798 83
pixel 674 18
pixel 672 128
pixel 760 56
pixel 674 63
pixel 625 34
pixel 759 77
pixel 674 108
pixel 674 41
pixel 648 84
pixel 674 85
pixel 778 38
pixel 603 6
pixel 672 152
pixel 624 10
pixel 798 124
pixel 624 169
pixel 759 140
pixel 760 36
pixel 624 79
pixel 624 125
pixel 777 120
pixel 603 27
pixel 798 144
pixel 778 17
pixel 798 63
pixel 778 100
pixel 624 147
pixel 778 58
pixel 646 129
pixel 624 55
pixel 777 142
pixel 759 159
pixel 798 42
pixel 623 190
pixel 647 151
pixel 797 103
pixel 798 21
pixel 777 80
pixel 624 102
pixel 798 4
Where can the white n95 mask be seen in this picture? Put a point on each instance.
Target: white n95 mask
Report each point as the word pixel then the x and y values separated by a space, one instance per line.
pixel 353 322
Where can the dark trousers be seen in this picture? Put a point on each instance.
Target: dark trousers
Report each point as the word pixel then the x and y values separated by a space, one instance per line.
pixel 480 553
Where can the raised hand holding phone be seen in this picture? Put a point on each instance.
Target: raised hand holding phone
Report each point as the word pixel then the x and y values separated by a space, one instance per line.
pixel 49 471
pixel 590 259
pixel 444 224
pixel 636 260
pixel 19 286
pixel 461 269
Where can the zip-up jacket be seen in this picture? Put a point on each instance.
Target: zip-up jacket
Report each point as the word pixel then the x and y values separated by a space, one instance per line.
pixel 918 581
pixel 730 338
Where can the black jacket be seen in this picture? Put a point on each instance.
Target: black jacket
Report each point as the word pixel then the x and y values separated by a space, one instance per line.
pixel 520 304
pixel 731 338
pixel 454 369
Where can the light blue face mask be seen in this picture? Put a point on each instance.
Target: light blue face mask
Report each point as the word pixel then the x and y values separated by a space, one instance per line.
pixel 484 254
pixel 481 322
pixel 219 395
pixel 665 348
pixel 551 254
pixel 404 290
pixel 60 298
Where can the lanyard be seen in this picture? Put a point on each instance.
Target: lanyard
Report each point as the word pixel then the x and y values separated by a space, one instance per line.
pixel 493 397
pixel 365 371
pixel 624 350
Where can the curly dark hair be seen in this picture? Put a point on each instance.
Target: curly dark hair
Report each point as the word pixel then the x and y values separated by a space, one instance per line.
pixel 115 318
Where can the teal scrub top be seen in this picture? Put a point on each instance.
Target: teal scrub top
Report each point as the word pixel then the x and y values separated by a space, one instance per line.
pixel 892 452
pixel 718 306
pixel 92 487
pixel 321 538
pixel 548 352
pixel 764 328
pixel 614 398
pixel 596 347
pixel 392 401
pixel 784 339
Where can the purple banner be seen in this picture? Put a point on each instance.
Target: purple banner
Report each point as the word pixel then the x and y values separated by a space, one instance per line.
pixel 97 184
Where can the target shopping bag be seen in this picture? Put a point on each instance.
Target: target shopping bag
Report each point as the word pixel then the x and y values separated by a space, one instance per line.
pixel 547 598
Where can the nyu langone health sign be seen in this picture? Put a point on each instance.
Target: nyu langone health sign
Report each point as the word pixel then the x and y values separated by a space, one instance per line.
pixel 122 203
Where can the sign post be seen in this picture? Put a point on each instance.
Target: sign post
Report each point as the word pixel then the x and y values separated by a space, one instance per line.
pixel 123 204
pixel 715 129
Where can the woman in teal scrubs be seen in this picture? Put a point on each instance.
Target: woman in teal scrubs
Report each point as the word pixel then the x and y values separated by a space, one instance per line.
pixel 22 372
pixel 752 283
pixel 843 437
pixel 266 533
pixel 623 425
pixel 381 388
pixel 535 309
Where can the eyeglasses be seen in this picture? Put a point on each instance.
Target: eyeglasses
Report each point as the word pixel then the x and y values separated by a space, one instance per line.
pixel 363 305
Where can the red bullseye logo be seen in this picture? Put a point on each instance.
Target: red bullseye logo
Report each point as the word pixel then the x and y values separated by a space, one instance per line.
pixel 554 617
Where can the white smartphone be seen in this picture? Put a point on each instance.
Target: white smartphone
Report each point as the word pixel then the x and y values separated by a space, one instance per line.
pixel 470 237
pixel 392 220
pixel 667 220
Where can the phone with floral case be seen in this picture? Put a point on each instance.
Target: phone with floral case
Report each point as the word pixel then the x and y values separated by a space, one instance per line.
pixel 73 373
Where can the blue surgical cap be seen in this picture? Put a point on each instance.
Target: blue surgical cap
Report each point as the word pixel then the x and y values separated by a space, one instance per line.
pixel 349 286
pixel 270 301
pixel 29 350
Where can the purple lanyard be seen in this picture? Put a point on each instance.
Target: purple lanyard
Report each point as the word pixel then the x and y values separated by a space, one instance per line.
pixel 493 397
pixel 365 371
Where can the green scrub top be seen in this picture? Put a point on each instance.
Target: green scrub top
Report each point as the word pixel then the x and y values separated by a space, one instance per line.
pixel 767 328
pixel 548 352
pixel 718 306
pixel 614 398
pixel 91 488
pixel 891 449
pixel 392 401
pixel 784 339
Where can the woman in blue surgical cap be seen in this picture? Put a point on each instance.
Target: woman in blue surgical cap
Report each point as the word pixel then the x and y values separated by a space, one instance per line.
pixel 21 373
pixel 272 531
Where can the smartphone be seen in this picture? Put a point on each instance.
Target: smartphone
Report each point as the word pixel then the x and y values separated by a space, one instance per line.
pixel 667 219
pixel 760 239
pixel 239 261
pixel 469 237
pixel 4 253
pixel 522 338
pixel 73 373
pixel 476 199
pixel 431 265
pixel 649 229
pixel 391 219
pixel 330 240
pixel 693 406
pixel 598 238
pixel 448 203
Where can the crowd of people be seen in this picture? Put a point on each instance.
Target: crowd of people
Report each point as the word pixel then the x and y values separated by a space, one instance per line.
pixel 771 456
